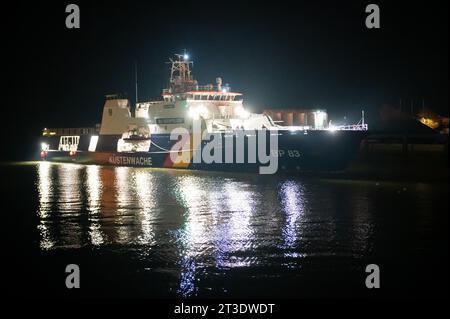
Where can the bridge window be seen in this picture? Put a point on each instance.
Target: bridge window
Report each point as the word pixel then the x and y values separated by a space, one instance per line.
pixel 93 143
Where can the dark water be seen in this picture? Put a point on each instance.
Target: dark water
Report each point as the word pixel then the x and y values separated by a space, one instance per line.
pixel 171 233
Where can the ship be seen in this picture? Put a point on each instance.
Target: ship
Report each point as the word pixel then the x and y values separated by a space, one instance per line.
pixel 202 127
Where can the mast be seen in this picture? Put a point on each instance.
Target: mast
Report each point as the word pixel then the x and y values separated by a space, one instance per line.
pixel 136 80
pixel 181 79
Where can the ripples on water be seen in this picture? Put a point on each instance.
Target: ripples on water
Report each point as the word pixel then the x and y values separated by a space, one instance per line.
pixel 194 224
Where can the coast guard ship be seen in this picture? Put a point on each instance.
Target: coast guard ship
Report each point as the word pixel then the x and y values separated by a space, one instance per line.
pixel 202 115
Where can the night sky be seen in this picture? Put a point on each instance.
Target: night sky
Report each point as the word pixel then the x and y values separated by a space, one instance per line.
pixel 280 55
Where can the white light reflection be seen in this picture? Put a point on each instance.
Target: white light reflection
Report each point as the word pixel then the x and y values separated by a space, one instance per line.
pixel 292 201
pixel 95 205
pixel 69 203
pixel 238 231
pixel 94 192
pixel 193 198
pixel 196 234
pixel 45 190
pixel 125 201
pixel 217 230
pixel 147 201
pixel 69 188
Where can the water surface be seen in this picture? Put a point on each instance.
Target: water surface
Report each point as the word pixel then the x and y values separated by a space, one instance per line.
pixel 173 233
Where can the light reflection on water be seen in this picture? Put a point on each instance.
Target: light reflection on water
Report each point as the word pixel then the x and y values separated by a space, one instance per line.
pixel 192 222
pixel 292 201
pixel 94 193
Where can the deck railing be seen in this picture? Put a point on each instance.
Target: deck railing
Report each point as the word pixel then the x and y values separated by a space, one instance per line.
pixel 354 127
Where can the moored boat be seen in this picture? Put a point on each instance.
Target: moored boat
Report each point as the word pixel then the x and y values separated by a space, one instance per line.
pixel 204 128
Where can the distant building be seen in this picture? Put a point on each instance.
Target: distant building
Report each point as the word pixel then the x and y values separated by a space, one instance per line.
pixel 433 120
pixel 316 118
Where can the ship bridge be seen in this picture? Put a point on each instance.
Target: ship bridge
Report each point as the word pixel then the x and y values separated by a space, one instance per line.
pixel 182 84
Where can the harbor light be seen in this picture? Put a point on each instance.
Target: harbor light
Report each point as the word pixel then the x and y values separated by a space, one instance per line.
pixel 196 112
pixel 241 112
pixel 193 113
pixel 44 147
pixel 319 119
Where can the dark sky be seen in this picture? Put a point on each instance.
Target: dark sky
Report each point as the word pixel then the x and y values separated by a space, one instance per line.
pixel 279 54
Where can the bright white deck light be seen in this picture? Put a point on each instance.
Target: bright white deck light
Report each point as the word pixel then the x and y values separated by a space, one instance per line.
pixel 44 146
